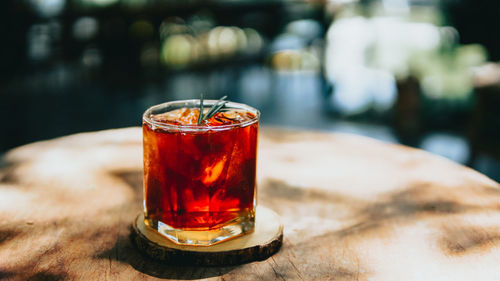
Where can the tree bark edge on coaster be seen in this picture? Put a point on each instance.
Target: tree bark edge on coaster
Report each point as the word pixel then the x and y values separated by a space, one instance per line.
pixel 265 241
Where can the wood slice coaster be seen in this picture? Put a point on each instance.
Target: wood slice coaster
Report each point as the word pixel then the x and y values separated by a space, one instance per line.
pixel 266 240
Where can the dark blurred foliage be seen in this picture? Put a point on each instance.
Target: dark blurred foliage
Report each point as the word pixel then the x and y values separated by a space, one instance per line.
pixel 13 28
pixel 477 21
pixel 72 66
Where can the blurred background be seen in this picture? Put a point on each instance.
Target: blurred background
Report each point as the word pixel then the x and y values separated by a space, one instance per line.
pixel 422 73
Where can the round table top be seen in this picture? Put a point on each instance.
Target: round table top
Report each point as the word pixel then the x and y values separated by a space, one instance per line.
pixel 353 208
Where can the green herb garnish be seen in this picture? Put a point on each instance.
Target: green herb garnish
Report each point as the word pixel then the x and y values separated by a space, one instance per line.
pixel 200 116
pixel 214 109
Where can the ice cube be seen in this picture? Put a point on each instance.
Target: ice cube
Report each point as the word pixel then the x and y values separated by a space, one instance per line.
pixel 181 116
pixel 231 116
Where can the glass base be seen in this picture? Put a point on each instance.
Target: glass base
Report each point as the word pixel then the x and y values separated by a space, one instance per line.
pixel 233 229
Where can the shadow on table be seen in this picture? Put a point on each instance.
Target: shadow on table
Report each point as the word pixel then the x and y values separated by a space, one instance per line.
pixel 124 251
pixel 43 276
pixel 419 201
pixel 458 240
pixel 37 277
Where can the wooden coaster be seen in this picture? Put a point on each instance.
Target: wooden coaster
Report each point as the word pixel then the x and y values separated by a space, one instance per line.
pixel 266 240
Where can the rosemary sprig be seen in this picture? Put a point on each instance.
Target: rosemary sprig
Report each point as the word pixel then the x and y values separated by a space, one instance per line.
pixel 200 116
pixel 214 109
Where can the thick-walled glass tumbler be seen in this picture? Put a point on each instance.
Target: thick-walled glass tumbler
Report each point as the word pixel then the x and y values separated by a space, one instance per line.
pixel 199 177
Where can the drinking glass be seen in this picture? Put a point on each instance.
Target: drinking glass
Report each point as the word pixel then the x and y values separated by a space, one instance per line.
pixel 199 179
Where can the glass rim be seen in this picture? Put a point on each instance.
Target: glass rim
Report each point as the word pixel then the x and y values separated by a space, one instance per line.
pixel 146 117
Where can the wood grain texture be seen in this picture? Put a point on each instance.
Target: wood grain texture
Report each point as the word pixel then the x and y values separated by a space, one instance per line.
pixel 263 242
pixel 352 208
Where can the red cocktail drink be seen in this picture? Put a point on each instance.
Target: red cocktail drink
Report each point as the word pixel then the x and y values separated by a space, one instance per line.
pixel 199 179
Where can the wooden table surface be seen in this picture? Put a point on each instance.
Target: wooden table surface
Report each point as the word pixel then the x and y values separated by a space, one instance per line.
pixel 353 209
